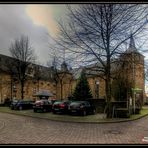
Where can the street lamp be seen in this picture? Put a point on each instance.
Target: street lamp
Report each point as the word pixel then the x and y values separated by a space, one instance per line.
pixel 14 87
pixel 14 90
pixel 97 89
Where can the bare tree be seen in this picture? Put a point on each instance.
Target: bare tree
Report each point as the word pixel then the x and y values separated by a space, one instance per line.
pixel 53 67
pixel 24 56
pixel 97 33
pixel 60 68
pixel 37 75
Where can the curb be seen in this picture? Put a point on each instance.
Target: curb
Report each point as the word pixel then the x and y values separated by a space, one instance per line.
pixel 87 122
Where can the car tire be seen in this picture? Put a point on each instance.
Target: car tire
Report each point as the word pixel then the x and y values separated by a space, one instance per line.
pixel 20 108
pixel 84 113
pixel 35 110
pixel 44 110
pixel 54 112
pixel 94 111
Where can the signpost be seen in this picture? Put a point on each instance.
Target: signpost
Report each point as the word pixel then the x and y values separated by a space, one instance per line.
pixel 97 89
pixel 135 90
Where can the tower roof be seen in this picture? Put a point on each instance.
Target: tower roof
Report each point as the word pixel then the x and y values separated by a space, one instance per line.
pixel 64 66
pixel 132 46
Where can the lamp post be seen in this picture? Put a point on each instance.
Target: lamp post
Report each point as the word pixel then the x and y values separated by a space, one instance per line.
pixel 97 89
pixel 14 90
pixel 134 98
pixel 134 102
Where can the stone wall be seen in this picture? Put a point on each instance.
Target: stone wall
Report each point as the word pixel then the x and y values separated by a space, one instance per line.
pixel 30 88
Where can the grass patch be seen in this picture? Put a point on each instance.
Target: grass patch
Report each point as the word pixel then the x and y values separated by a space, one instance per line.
pixel 143 112
pixel 97 118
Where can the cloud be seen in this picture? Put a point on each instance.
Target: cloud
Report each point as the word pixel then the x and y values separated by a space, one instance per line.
pixel 14 22
pixel 46 15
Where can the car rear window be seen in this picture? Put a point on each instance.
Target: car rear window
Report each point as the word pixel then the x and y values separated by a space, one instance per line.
pixel 38 101
pixel 75 103
pixel 49 101
pixel 14 101
pixel 57 102
pixel 23 102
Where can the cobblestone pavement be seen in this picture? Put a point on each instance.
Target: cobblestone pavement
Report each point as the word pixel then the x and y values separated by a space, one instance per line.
pixel 16 129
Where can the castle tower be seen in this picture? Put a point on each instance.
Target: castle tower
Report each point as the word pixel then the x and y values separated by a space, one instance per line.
pixel 132 47
pixel 64 67
pixel 135 70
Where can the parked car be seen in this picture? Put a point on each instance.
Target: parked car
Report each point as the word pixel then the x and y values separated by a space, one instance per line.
pixel 81 108
pixel 21 104
pixel 60 106
pixel 42 105
pixel 52 101
pixel 13 103
pixel 7 102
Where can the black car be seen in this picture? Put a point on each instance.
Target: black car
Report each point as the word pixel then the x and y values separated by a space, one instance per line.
pixel 13 104
pixel 21 104
pixel 42 105
pixel 60 106
pixel 81 108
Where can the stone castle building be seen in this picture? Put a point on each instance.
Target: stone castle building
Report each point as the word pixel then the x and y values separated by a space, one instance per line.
pixel 43 78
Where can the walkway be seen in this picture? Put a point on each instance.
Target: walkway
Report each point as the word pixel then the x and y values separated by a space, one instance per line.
pixel 16 129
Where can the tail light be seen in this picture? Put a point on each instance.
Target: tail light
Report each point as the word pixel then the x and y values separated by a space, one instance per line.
pixel 62 105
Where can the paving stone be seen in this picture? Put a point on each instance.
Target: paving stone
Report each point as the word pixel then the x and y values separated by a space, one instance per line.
pixel 16 129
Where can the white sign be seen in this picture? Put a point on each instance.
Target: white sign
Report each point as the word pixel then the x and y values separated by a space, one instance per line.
pixel 97 82
pixel 130 101
pixel 145 139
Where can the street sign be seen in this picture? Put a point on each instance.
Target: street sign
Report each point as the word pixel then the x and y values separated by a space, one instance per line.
pixel 136 89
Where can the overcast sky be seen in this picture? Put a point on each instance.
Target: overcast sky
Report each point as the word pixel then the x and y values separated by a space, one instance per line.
pixel 34 21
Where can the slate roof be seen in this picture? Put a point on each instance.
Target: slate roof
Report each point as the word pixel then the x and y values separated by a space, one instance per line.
pixel 46 73
pixel 6 61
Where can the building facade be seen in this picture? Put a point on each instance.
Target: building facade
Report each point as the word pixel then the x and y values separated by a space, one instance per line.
pixel 42 78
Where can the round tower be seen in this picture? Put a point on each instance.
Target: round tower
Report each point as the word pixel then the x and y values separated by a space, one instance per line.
pixel 134 71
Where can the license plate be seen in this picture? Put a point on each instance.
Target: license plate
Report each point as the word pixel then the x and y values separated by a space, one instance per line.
pixel 56 109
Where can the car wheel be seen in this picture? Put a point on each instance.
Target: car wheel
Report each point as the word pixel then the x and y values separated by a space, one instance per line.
pixel 35 110
pixel 94 112
pixel 44 110
pixel 54 112
pixel 20 107
pixel 84 113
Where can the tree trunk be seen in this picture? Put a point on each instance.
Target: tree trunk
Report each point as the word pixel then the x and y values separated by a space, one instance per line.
pixel 61 89
pixel 108 95
pixel 108 89
pixel 11 88
pixel 38 84
pixel 56 85
pixel 22 90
